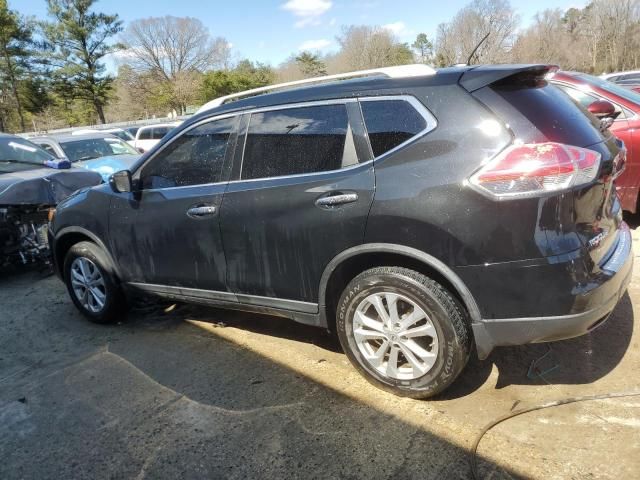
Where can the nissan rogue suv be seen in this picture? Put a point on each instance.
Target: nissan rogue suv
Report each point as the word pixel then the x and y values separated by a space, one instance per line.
pixel 418 214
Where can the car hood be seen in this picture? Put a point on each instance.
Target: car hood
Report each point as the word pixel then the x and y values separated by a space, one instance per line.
pixel 43 186
pixel 107 166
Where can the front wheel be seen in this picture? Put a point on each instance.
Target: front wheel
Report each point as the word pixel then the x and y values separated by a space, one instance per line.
pixel 403 331
pixel 92 287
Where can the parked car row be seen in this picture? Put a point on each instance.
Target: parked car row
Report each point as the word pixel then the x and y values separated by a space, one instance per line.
pixel 629 79
pixel 419 214
pixel 32 182
pixel 99 152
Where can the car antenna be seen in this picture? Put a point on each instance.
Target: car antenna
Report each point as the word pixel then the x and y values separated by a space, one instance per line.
pixel 477 47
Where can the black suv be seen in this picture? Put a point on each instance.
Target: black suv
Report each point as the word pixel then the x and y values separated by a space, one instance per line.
pixel 416 216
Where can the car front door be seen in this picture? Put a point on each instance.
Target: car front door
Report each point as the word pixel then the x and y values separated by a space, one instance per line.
pixel 302 196
pixel 166 234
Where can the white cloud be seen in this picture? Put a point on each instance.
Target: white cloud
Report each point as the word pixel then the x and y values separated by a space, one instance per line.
pixel 397 28
pixel 307 11
pixel 315 44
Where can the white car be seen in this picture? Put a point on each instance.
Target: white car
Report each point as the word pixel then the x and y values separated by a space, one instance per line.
pixel 629 79
pixel 149 135
pixel 117 132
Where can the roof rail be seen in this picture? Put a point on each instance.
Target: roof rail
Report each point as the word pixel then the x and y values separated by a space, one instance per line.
pixel 401 71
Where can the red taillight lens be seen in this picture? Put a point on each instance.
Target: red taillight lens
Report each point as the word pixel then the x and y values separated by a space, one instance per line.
pixel 532 169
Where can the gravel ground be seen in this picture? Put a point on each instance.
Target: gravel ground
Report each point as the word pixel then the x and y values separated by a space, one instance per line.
pixel 189 392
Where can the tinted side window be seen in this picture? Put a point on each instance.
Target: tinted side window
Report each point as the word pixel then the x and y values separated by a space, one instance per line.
pixel 146 134
pixel 390 123
pixel 159 132
pixel 298 140
pixel 196 157
pixel 554 114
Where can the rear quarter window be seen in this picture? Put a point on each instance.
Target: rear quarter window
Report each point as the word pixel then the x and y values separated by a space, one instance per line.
pixel 390 123
pixel 551 111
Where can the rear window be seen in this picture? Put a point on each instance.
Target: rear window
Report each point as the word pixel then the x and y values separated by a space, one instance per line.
pixel 390 123
pixel 553 113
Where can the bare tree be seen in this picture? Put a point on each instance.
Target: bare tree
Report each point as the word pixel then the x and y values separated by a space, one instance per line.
pixel 603 36
pixel 365 47
pixel 173 50
pixel 457 39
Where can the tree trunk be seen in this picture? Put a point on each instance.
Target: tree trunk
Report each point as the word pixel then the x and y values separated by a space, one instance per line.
pixel 99 111
pixel 14 89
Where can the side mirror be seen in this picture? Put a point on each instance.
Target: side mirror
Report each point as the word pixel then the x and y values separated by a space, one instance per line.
pixel 120 182
pixel 602 109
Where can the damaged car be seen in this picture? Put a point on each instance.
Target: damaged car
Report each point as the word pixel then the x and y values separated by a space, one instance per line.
pixel 32 182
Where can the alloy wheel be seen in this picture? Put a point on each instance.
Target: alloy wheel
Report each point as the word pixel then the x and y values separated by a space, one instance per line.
pixel 88 284
pixel 395 336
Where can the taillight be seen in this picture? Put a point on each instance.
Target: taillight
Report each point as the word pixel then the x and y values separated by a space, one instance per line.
pixel 529 170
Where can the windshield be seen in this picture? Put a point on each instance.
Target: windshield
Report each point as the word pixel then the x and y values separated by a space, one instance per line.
pixel 122 135
pixel 17 154
pixel 90 148
pixel 622 92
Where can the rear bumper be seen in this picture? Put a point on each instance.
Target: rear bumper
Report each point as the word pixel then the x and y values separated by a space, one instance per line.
pixel 591 307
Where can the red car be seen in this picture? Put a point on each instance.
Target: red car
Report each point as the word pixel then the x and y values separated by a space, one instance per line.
pixel 588 89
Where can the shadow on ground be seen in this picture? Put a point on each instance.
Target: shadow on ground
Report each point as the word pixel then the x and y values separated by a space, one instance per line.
pixel 158 397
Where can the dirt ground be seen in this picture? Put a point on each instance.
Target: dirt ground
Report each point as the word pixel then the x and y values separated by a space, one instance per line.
pixel 205 393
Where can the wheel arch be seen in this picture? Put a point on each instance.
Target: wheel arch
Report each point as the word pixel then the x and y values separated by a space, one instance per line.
pixel 346 265
pixel 68 237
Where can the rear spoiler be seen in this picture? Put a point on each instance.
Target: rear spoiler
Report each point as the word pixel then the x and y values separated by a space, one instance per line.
pixel 483 75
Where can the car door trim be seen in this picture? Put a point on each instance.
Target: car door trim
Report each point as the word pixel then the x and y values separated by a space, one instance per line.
pixel 215 296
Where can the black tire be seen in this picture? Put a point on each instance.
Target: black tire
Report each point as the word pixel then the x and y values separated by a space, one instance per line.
pixel 115 304
pixel 447 316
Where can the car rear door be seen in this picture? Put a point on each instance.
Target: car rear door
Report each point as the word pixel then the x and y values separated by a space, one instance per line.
pixel 167 233
pixel 301 195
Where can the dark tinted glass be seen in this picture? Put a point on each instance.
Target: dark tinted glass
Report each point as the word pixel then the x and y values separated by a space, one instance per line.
pixel 159 132
pixel 390 123
pixel 146 134
pixel 194 158
pixel 554 114
pixel 297 140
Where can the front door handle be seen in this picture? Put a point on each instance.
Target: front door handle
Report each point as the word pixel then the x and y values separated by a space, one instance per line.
pixel 202 211
pixel 337 199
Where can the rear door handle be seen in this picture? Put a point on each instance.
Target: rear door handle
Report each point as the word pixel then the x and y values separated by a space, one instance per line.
pixel 202 211
pixel 337 199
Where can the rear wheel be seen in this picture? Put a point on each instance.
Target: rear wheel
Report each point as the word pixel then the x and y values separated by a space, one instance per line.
pixel 403 331
pixel 92 287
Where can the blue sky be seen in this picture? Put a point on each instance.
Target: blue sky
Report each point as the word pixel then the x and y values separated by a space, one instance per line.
pixel 270 30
